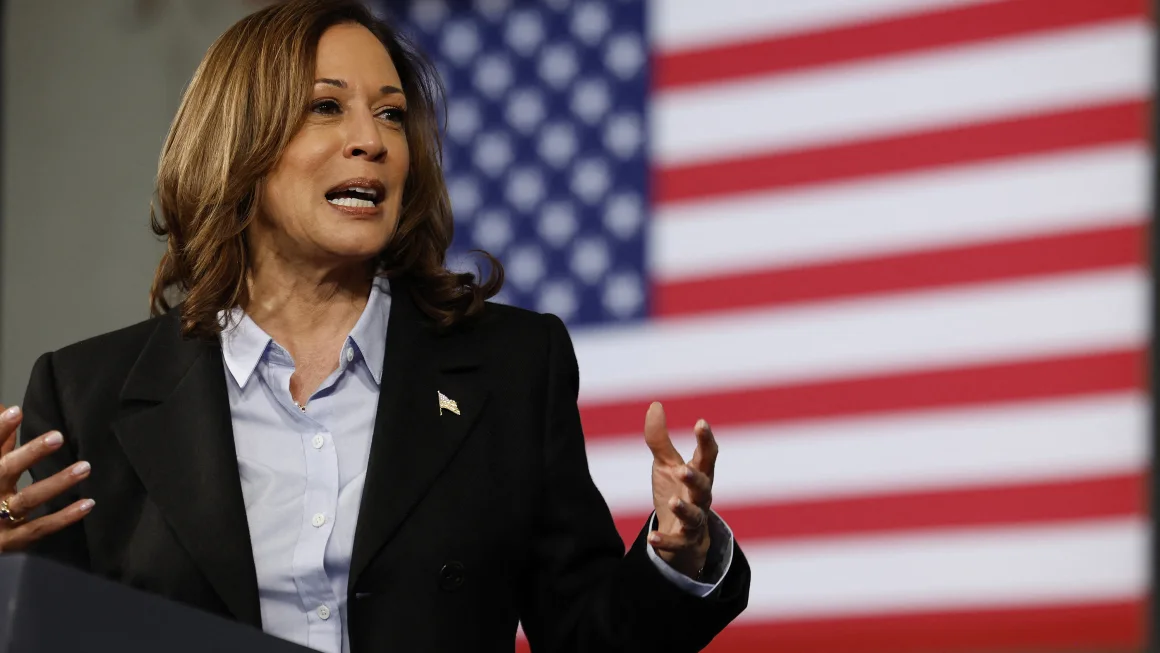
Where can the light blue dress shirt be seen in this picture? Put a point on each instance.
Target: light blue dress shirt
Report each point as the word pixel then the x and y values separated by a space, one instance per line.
pixel 302 475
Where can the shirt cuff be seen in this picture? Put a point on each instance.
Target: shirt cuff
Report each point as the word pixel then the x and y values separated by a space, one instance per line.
pixel 717 562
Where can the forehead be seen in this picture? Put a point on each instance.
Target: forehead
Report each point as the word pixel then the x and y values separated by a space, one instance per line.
pixel 352 53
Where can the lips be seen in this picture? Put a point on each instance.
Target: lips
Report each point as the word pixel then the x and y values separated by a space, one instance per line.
pixel 357 193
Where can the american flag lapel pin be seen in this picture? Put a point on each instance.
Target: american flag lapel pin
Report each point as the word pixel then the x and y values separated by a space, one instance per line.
pixel 446 403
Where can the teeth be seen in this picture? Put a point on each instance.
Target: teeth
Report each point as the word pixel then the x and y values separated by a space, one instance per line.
pixel 352 202
pixel 369 192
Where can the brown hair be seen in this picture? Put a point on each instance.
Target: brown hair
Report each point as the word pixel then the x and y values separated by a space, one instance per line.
pixel 246 100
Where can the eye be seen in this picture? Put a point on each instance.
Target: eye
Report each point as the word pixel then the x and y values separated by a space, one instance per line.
pixel 325 107
pixel 393 114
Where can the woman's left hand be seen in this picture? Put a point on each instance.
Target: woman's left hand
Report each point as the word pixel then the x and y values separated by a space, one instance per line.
pixel 682 494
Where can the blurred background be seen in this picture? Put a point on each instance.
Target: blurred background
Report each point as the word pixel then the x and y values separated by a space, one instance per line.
pixel 896 251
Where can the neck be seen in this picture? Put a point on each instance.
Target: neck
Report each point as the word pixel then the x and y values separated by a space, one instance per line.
pixel 301 304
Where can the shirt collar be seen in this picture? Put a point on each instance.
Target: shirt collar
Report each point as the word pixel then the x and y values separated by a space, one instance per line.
pixel 245 343
pixel 370 332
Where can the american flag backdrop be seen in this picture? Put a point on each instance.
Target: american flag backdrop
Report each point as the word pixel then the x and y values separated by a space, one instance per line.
pixel 893 250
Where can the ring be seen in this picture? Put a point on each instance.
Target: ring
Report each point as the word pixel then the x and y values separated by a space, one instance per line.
pixel 6 514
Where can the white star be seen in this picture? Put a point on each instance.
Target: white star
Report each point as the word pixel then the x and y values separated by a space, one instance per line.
pixel 493 153
pixel 624 214
pixel 428 13
pixel 623 294
pixel 525 109
pixel 493 75
pixel 623 134
pixel 591 179
pixel 460 41
pixel 493 9
pixel 465 196
pixel 624 55
pixel 558 64
pixel 557 223
pixel 591 99
pixel 463 119
pixel 557 143
pixel 525 188
pixel 590 22
pixel 525 266
pixel 525 32
pixel 590 259
pixel 493 230
pixel 558 297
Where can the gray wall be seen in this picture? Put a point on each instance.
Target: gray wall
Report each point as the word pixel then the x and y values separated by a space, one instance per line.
pixel 90 87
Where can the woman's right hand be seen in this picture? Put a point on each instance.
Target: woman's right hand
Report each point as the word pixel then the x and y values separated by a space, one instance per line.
pixel 15 532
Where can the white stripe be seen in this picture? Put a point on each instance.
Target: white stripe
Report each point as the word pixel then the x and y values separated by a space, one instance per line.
pixel 1016 197
pixel 681 24
pixel 916 451
pixel 986 322
pixel 903 94
pixel 1097 560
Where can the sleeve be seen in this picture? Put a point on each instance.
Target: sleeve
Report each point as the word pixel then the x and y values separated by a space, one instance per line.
pixel 42 413
pixel 584 593
pixel 717 563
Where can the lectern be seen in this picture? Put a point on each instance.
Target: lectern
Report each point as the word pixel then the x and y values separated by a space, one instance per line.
pixel 48 607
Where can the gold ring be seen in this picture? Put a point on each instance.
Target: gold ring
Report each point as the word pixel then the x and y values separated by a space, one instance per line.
pixel 6 514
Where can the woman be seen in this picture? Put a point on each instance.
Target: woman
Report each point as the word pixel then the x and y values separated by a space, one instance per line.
pixel 426 488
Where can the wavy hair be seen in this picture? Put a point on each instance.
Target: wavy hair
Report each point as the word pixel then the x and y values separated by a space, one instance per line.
pixel 244 103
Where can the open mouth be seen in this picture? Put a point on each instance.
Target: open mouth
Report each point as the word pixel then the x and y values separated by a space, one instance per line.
pixel 357 194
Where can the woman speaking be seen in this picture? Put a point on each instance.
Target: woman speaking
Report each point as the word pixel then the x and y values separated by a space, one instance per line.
pixel 322 431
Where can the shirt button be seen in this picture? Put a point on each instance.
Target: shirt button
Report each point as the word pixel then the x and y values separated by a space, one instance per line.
pixel 318 520
pixel 318 441
pixel 323 612
pixel 349 354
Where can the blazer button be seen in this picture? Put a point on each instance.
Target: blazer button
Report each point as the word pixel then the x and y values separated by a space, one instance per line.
pixel 451 576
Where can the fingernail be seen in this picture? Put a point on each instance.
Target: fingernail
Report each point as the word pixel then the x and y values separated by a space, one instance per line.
pixel 81 468
pixel 676 503
pixel 54 439
pixel 87 505
pixel 703 425
pixel 688 472
pixel 654 538
pixel 11 413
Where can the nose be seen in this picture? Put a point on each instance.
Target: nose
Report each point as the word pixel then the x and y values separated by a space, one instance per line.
pixel 363 139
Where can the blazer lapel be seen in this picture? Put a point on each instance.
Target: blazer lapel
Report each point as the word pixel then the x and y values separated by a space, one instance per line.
pixel 412 442
pixel 182 447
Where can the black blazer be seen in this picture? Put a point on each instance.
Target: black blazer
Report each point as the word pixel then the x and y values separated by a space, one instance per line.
pixel 468 523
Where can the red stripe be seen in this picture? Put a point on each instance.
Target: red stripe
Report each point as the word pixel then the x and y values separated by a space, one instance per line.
pixel 993 505
pixel 889 36
pixel 1064 376
pixel 1021 258
pixel 1120 122
pixel 1111 626
pixel 1108 626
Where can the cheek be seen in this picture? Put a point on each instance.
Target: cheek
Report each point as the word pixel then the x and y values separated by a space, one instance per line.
pixel 290 187
pixel 400 166
pixel 398 146
pixel 286 204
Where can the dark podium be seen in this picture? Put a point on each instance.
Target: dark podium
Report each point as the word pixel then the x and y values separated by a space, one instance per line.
pixel 47 607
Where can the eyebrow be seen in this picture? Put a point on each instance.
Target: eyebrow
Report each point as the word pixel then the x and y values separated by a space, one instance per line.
pixel 385 90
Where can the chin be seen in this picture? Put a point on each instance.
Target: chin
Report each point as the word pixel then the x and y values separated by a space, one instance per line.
pixel 360 249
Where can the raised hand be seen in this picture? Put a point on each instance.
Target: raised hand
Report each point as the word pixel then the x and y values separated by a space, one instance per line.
pixel 15 532
pixel 682 494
